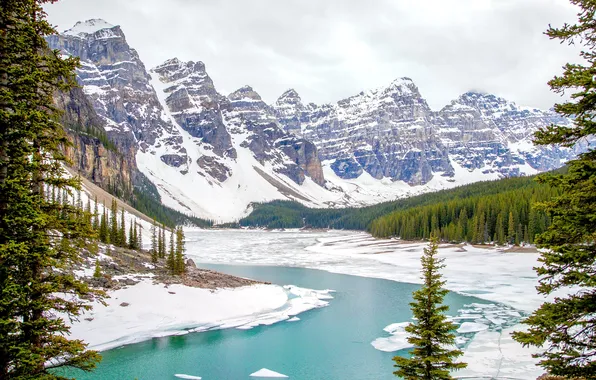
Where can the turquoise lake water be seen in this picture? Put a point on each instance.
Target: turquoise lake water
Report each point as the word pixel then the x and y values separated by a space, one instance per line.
pixel 331 343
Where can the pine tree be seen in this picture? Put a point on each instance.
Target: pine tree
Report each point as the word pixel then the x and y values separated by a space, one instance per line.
pixel 132 241
pixel 122 230
pixel 139 236
pixel 511 229
pixel 104 233
pixel 565 328
pixel 97 271
pixel 96 216
pixel 179 265
pixel 431 334
pixel 114 238
pixel 154 247
pixel 171 260
pixel 39 238
pixel 160 242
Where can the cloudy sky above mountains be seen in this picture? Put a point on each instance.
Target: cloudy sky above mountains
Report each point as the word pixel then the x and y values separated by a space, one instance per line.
pixel 329 50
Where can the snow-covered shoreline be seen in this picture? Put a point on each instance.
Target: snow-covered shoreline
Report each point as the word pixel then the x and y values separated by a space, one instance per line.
pixel 150 310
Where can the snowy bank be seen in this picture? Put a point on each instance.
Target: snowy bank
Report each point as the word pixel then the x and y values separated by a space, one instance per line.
pixel 147 310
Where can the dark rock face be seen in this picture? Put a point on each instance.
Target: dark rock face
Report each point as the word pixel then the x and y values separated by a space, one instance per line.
pixel 214 168
pixel 391 132
pixel 347 168
pixel 195 104
pixel 388 132
pixel 294 157
pixel 174 160
pixel 485 131
pixel 215 119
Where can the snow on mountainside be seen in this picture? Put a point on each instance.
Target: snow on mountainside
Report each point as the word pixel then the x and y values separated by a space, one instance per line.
pixel 208 155
pixel 212 155
pixel 391 132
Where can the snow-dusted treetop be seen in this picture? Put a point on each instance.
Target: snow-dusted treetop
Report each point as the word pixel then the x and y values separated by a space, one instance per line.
pixel 88 27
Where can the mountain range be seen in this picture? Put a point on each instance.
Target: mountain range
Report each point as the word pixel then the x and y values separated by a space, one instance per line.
pixel 212 155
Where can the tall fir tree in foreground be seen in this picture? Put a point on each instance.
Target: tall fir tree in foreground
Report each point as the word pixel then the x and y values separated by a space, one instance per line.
pixel 565 328
pixel 431 334
pixel 40 237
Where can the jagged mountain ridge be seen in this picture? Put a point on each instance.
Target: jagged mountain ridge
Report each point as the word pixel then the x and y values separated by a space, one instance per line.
pixel 392 132
pixel 208 154
pixel 212 155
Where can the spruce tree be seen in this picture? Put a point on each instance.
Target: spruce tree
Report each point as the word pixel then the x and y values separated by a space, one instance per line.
pixel 40 238
pixel 171 260
pixel 179 266
pixel 511 229
pixel 160 242
pixel 154 247
pixel 431 334
pixel 97 271
pixel 122 230
pixel 565 328
pixel 104 233
pixel 114 237
pixel 139 236
pixel 132 241
pixel 95 216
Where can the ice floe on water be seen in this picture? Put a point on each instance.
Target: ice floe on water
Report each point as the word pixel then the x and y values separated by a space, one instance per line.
pixel 189 377
pixel 472 319
pixel 264 372
pixel 471 327
pixel 294 319
pixel 150 310
pixel 397 341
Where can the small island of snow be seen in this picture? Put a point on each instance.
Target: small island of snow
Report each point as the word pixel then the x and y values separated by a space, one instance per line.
pixel 264 372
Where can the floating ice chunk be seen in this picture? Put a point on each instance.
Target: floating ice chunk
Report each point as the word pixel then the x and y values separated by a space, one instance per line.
pixel 471 327
pixel 461 340
pixel 396 327
pixel 496 321
pixel 183 376
pixel 295 319
pixel 264 372
pixel 245 327
pixel 396 342
pixel 468 316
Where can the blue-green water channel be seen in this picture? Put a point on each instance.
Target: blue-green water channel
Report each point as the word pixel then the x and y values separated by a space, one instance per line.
pixel 331 343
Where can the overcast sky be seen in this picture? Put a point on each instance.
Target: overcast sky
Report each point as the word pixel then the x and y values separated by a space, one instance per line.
pixel 331 49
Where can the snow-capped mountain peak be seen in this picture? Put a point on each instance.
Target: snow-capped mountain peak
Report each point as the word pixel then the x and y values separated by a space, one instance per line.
pixel 212 155
pixel 91 26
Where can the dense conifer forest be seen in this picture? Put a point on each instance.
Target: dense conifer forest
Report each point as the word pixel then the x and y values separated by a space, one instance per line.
pixel 499 211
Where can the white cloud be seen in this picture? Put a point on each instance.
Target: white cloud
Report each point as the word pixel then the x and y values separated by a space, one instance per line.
pixel 332 49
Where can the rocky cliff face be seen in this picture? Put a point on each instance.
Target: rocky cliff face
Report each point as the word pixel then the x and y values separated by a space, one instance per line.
pixel 115 80
pixel 91 154
pixel 392 133
pixel 490 133
pixel 216 120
